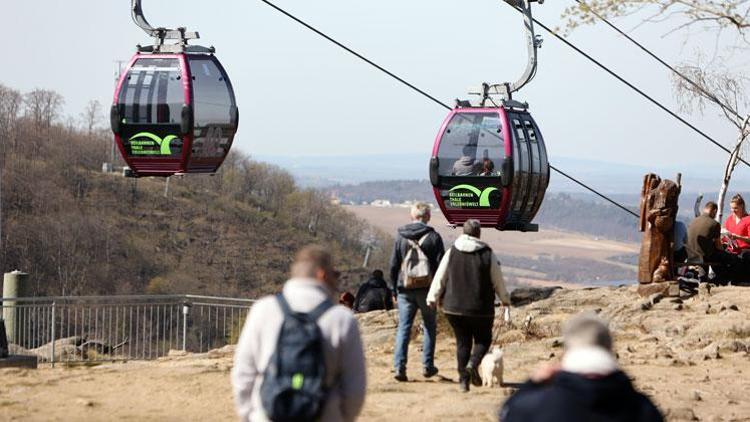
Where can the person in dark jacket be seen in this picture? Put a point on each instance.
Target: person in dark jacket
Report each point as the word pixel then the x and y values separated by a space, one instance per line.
pixel 411 300
pixel 374 295
pixel 587 385
pixel 465 284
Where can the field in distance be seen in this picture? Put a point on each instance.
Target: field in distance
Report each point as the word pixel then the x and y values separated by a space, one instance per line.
pixel 543 258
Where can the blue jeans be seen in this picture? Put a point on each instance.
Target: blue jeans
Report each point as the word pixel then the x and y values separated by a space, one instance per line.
pixel 408 303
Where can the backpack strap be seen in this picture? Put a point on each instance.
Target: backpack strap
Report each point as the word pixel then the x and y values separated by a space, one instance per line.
pixel 320 309
pixel 283 304
pixel 423 239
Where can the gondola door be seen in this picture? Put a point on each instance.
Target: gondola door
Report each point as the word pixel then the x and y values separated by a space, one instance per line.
pixel 216 116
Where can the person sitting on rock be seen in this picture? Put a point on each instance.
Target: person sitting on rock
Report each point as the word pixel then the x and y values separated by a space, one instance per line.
pixel 374 295
pixel 587 386
pixel 737 226
pixel 704 243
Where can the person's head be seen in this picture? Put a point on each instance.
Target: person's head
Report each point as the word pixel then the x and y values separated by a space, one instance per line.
pixel 421 212
pixel 314 262
pixel 346 299
pixel 488 166
pixel 738 205
pixel 469 150
pixel 377 274
pixel 586 330
pixel 710 209
pixel 472 228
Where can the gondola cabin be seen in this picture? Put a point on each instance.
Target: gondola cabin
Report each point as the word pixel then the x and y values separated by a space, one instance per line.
pixel 174 114
pixel 490 164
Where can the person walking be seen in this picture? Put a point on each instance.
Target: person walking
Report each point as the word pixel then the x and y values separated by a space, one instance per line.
pixel 466 283
pixel 373 295
pixel 299 356
pixel 587 386
pixel 415 258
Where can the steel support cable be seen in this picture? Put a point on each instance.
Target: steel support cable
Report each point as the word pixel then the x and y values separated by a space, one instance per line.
pixel 677 72
pixel 428 96
pixel 629 85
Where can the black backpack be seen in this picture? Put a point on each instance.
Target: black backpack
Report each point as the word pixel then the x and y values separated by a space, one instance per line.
pixel 293 386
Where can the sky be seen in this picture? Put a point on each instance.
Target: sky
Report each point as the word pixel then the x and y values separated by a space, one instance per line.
pixel 300 95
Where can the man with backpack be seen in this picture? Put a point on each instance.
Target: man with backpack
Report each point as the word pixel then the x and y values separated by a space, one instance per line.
pixel 300 357
pixel 415 258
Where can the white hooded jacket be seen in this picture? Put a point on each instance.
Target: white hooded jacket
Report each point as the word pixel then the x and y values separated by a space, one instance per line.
pixel 466 243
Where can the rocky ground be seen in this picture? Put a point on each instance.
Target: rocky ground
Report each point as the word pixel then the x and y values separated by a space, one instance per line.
pixel 691 356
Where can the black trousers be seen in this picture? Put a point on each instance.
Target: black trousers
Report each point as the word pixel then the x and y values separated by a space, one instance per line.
pixel 470 331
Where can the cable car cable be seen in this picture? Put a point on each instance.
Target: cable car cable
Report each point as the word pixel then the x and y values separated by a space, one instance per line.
pixel 430 97
pixel 631 86
pixel 660 60
pixel 359 56
pixel 611 201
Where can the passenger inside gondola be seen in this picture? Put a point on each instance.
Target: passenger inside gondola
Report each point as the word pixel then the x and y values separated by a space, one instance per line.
pixel 488 168
pixel 467 165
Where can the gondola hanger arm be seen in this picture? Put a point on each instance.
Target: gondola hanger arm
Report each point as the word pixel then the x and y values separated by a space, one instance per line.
pixel 533 43
pixel 160 33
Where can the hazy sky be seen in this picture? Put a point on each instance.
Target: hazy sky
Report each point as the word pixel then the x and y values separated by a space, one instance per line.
pixel 300 95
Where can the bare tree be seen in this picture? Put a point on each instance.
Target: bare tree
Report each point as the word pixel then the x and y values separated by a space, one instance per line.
pixel 10 107
pixel 699 83
pixel 43 107
pixel 91 115
pixel 711 84
pixel 710 14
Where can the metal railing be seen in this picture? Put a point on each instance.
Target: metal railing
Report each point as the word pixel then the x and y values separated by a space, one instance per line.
pixel 106 328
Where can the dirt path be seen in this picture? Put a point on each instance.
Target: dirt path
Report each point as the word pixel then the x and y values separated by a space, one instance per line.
pixel 692 361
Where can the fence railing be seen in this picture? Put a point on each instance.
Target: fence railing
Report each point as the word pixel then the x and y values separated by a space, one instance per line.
pixel 96 328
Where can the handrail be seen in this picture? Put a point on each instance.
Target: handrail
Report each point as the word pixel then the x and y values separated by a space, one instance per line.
pixel 184 297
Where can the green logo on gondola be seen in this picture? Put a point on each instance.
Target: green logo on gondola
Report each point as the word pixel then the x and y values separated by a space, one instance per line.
pixel 143 144
pixel 470 196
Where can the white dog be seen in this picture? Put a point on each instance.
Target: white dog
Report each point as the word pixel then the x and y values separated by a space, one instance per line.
pixel 491 368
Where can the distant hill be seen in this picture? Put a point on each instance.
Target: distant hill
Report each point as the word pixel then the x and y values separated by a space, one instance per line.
pixel 579 213
pixel 606 176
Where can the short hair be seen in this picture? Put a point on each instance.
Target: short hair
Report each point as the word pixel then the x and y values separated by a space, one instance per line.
pixel 587 329
pixel 309 260
pixel 472 227
pixel 420 211
pixel 378 274
pixel 346 298
pixel 739 200
pixel 711 206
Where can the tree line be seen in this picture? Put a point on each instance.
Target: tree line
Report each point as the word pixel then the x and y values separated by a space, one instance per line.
pixel 79 231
